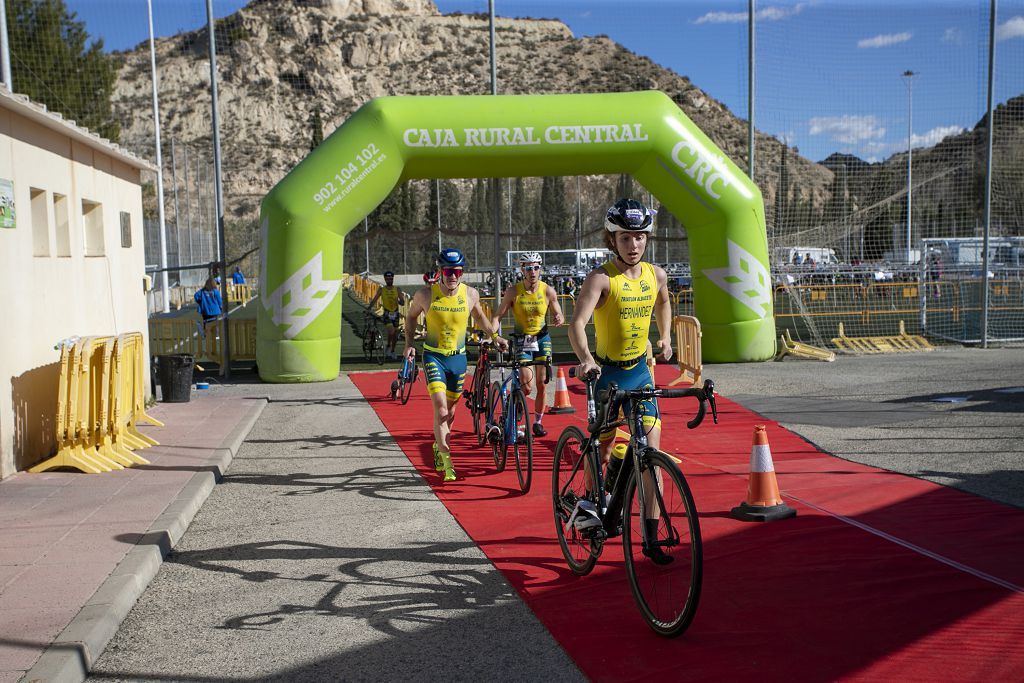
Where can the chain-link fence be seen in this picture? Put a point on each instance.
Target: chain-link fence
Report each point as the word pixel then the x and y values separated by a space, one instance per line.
pixel 870 150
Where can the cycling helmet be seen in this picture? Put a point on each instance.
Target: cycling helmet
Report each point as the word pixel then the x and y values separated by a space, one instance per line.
pixel 430 277
pixel 388 273
pixel 451 258
pixel 529 257
pixel 629 215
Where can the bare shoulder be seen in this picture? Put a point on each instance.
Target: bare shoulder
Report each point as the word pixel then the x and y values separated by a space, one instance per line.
pixel 598 277
pixel 659 273
pixel 472 293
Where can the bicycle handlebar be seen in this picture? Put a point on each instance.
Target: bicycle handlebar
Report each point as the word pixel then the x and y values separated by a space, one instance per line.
pixel 704 395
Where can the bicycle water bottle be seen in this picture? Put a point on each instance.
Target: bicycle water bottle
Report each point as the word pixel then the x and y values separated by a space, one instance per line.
pixel 614 465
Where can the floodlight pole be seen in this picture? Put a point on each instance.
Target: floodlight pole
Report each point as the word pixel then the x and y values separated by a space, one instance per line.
pixel 909 76
pixel 218 194
pixel 750 89
pixel 988 174
pixel 495 185
pixel 164 290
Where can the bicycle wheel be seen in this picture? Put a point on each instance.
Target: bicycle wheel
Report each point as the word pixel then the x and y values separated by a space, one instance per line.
pixel 666 578
pixel 478 404
pixel 495 417
pixel 522 446
pixel 380 350
pixel 568 485
pixel 406 389
pixel 368 342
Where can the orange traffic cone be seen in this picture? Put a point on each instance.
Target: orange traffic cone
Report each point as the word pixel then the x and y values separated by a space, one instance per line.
pixel 562 404
pixel 763 503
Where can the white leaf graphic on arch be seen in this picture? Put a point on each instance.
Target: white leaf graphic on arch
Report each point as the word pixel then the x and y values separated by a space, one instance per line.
pixel 745 279
pixel 302 297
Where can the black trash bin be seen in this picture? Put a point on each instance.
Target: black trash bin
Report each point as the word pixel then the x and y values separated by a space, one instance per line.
pixel 176 377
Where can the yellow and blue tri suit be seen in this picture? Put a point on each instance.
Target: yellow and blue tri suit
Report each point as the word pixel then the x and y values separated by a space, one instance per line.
pixel 621 328
pixel 389 303
pixel 530 311
pixel 444 349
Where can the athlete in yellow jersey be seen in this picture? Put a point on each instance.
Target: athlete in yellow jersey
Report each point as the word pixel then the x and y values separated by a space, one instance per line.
pixel 621 295
pixel 448 306
pixel 391 298
pixel 530 299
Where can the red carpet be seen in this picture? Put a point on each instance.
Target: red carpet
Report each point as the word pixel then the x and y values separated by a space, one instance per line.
pixel 880 576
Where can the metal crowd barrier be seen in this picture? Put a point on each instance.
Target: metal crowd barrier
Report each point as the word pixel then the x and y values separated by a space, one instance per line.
pixel 202 342
pixel 688 334
pixel 237 294
pixel 100 399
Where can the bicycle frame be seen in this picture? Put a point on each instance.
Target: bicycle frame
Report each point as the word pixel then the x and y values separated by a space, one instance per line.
pixel 509 427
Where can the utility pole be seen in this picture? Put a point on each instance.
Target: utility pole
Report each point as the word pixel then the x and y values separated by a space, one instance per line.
pixel 909 76
pixel 164 290
pixel 218 194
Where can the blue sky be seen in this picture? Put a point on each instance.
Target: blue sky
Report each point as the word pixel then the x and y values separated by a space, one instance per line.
pixel 828 71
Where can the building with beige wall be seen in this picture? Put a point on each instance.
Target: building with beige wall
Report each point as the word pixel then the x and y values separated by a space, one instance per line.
pixel 71 261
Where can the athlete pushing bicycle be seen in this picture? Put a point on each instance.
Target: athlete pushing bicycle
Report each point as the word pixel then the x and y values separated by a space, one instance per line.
pixel 621 295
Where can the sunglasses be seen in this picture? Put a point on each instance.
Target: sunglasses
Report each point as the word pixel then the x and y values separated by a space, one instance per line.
pixel 452 272
pixel 531 268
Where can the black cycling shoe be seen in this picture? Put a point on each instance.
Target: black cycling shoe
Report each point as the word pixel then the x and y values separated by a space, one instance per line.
pixel 654 552
pixel 538 429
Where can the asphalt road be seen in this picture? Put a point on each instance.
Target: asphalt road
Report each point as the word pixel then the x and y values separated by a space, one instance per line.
pixel 323 556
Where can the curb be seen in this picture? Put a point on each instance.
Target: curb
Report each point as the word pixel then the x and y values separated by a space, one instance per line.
pixel 71 655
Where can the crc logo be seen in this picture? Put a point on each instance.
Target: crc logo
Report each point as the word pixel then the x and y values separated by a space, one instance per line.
pixel 644 287
pixel 702 167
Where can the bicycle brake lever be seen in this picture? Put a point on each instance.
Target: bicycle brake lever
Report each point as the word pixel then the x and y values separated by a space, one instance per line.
pixel 709 393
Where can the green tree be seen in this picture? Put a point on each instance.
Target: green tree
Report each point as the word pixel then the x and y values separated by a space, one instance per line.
pixel 52 63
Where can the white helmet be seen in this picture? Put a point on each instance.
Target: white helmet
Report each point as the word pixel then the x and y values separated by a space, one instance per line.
pixel 529 257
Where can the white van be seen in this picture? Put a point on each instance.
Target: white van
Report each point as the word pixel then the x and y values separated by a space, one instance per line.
pixel 797 256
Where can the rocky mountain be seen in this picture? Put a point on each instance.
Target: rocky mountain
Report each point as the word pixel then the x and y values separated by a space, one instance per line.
pixel 282 63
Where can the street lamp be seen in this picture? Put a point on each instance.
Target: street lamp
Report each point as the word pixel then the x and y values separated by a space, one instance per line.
pixel 908 76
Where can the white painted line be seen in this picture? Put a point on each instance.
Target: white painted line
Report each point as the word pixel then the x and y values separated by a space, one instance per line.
pixel 916 548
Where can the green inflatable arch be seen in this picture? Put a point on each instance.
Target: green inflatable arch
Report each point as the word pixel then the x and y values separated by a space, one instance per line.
pixel 305 217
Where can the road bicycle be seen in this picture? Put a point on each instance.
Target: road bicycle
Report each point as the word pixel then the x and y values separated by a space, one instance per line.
pixel 654 511
pixel 401 388
pixel 373 339
pixel 508 419
pixel 477 397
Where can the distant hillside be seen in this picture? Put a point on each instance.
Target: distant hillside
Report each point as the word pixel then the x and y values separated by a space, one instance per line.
pixel 279 60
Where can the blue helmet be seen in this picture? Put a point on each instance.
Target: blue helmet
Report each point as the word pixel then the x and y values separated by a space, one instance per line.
pixel 451 258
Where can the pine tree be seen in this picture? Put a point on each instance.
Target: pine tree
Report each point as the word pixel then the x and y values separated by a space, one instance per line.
pixel 51 63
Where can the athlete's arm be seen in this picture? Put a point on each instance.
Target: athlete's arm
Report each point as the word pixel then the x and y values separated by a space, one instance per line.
pixel 401 297
pixel 558 317
pixel 372 306
pixel 482 320
pixel 415 309
pixel 595 288
pixel 506 303
pixel 663 314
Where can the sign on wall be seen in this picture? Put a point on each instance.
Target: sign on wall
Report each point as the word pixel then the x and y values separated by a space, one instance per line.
pixel 6 204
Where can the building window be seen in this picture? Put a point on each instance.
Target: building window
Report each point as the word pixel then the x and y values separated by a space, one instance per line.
pixel 60 220
pixel 126 230
pixel 40 223
pixel 92 221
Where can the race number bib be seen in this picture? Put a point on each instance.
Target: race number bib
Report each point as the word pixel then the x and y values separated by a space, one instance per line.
pixel 530 343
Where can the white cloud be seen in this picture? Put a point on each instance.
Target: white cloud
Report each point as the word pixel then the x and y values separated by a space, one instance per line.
pixel 766 14
pixel 847 129
pixel 885 40
pixel 934 136
pixel 1012 28
pixel 953 35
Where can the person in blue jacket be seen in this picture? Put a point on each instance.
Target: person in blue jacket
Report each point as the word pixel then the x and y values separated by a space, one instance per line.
pixel 209 301
pixel 237 277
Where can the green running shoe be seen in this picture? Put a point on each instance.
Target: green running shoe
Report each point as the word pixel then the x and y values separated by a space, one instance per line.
pixel 449 469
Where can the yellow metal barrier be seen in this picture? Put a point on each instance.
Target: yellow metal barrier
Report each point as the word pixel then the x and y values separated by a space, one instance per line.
pixel 688 336
pixel 202 342
pixel 100 397
pixel 788 347
pixel 237 294
pixel 900 342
